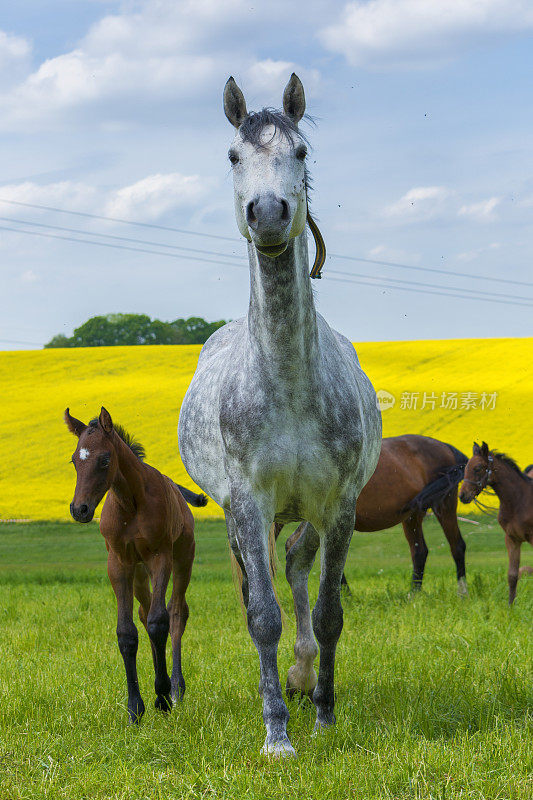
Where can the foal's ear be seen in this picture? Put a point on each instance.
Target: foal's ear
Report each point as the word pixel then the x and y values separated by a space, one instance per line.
pixel 105 421
pixel 477 449
pixel 294 99
pixel 484 449
pixel 234 103
pixel 74 425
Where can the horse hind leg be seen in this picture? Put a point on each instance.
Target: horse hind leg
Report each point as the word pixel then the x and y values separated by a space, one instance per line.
pixel 157 625
pixel 182 561
pixel 414 534
pixel 301 551
pixel 327 614
pixel 446 513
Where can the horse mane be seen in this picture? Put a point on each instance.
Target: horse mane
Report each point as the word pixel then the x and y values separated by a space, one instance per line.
pixel 136 447
pixel 254 123
pixel 510 463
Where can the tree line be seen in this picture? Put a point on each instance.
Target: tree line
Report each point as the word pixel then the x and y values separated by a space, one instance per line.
pixel 121 329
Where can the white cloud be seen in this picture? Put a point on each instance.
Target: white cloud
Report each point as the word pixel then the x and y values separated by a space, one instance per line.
pixel 163 52
pixel 152 197
pixel 270 76
pixel 383 252
pixel 146 200
pixel 418 32
pixel 482 211
pixel 418 203
pixel 472 255
pixel 15 54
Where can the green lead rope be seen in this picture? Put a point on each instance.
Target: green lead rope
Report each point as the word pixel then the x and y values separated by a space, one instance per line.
pixel 320 257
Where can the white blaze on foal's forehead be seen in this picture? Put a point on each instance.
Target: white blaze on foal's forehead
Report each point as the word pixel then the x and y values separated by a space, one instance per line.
pixel 84 453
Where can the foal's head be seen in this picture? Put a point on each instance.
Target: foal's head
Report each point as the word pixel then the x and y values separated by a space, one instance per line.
pixel 96 463
pixel 478 473
pixel 269 176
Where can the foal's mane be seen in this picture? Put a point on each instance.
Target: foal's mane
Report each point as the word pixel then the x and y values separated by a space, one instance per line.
pixel 136 447
pixel 510 463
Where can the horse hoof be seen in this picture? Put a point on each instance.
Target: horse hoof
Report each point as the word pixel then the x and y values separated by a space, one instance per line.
pixel 282 749
pixel 297 694
pixel 462 588
pixel 178 692
pixel 136 713
pixel 320 725
pixel 163 703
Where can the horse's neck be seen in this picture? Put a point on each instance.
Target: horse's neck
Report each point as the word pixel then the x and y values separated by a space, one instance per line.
pixel 282 321
pixel 128 486
pixel 508 486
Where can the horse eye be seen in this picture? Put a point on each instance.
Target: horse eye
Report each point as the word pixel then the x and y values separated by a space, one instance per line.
pixel 233 157
pixel 301 153
pixel 104 462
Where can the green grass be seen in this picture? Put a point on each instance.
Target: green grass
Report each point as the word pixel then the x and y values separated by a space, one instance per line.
pixel 435 694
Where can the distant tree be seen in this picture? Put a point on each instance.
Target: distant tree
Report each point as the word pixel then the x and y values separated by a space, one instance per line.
pixel 136 329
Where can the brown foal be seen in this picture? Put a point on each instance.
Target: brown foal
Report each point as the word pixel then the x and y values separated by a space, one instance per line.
pixel 149 534
pixel 515 492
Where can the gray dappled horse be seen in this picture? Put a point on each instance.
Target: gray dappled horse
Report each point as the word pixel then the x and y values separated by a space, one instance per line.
pixel 279 422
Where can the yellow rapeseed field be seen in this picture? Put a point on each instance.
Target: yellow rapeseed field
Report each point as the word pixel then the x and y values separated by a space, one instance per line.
pixel 455 390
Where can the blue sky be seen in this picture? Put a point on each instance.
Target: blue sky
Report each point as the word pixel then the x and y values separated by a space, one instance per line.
pixel 421 157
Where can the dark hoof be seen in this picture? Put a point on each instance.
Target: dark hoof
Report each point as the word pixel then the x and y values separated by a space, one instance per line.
pixel 136 712
pixel 163 702
pixel 297 694
pixel 178 692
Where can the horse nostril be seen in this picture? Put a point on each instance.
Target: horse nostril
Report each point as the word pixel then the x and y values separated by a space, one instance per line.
pixel 83 510
pixel 285 211
pixel 251 219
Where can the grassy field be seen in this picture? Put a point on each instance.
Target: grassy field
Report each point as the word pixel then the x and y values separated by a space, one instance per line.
pixel 435 694
pixel 143 388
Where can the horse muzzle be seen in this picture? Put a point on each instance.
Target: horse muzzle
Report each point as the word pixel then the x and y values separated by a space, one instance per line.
pixel 269 218
pixel 82 513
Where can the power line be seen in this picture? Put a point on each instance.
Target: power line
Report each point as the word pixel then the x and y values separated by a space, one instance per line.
pixel 477 292
pixel 17 341
pixel 118 238
pixel 428 291
pixel 119 246
pixel 392 264
pixel 117 219
pixel 472 294
pixel 431 269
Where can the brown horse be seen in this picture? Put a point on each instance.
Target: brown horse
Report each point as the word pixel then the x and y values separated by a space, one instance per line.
pixel 414 473
pixel 149 534
pixel 515 493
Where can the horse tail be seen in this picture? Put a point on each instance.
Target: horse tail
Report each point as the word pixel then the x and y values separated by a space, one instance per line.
pixel 273 561
pixel 197 500
pixel 433 494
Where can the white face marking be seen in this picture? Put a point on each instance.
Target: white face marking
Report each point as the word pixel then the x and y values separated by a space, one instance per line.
pixel 84 453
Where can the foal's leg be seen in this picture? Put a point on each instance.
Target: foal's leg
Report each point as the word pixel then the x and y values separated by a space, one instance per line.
pixel 182 559
pixel 327 613
pixel 121 578
pixel 446 514
pixel 412 527
pixel 513 551
pixel 141 590
pixel 157 625
pixel 301 552
pixel 250 528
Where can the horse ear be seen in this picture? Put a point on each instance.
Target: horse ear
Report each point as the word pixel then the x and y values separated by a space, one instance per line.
pixel 74 425
pixel 105 421
pixel 477 450
pixel 294 99
pixel 234 103
pixel 484 449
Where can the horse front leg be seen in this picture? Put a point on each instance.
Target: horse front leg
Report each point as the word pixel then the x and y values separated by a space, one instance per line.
pixel 301 552
pixel 158 624
pixel 121 578
pixel 250 528
pixel 328 615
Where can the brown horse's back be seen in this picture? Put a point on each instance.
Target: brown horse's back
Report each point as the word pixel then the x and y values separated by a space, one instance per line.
pixel 406 465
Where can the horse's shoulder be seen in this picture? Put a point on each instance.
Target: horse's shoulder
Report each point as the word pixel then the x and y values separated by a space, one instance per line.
pixel 222 338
